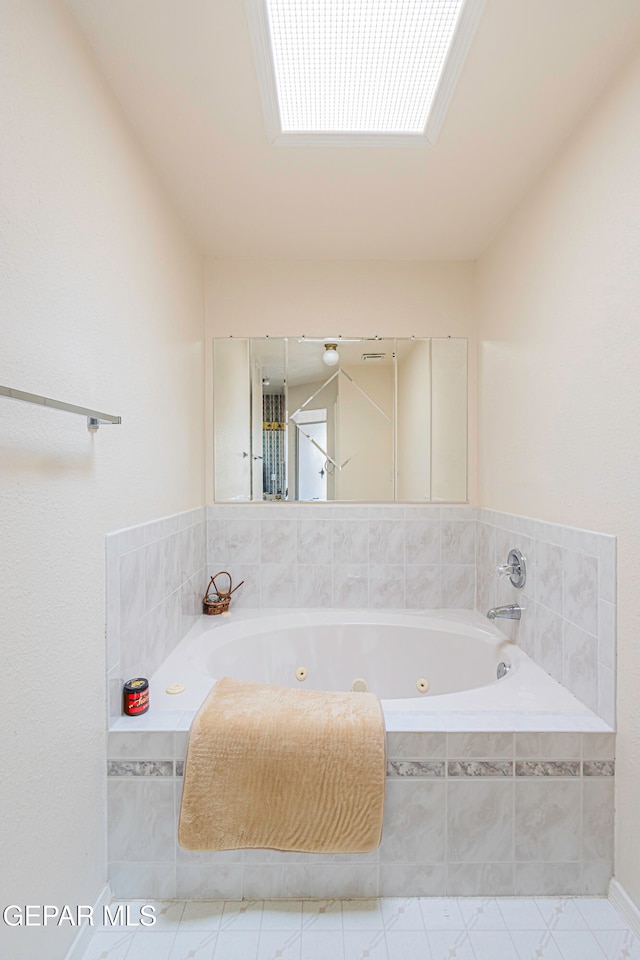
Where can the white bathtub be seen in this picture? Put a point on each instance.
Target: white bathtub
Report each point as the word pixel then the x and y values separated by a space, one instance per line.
pixel 457 652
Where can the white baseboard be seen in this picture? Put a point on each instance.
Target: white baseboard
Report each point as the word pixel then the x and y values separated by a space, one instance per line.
pixel 78 947
pixel 625 905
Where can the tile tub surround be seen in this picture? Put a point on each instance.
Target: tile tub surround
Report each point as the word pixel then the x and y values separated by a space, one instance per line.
pixel 467 814
pixel 569 624
pixel 345 555
pixel 155 579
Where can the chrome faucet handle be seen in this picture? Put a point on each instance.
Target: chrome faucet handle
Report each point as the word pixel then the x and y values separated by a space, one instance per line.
pixel 514 569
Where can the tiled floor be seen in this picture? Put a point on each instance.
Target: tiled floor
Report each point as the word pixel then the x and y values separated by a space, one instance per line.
pixel 389 929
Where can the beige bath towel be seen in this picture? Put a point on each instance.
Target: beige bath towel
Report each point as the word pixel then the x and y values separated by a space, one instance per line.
pixel 281 769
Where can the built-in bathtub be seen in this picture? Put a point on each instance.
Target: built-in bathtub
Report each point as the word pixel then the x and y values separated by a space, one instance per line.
pixel 502 788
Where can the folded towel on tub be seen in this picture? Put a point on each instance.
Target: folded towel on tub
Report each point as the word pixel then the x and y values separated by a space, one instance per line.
pixel 282 769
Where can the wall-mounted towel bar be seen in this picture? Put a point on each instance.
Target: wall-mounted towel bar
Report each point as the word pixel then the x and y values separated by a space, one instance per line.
pixel 94 417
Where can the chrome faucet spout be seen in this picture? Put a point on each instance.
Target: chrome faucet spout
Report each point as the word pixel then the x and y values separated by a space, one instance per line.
pixel 512 611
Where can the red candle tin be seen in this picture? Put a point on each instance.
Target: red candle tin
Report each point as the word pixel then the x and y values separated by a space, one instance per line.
pixel 136 696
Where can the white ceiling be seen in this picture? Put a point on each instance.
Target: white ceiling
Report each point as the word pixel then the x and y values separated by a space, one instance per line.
pixel 184 74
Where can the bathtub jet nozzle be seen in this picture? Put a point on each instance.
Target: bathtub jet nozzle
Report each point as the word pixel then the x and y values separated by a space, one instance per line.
pixel 512 611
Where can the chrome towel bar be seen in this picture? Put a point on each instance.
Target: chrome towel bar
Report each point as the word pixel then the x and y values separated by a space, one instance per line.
pixel 94 417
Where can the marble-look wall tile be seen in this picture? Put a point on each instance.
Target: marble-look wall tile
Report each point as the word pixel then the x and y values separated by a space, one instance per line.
pixel 278 584
pixel 598 746
pixel 596 878
pixel 597 818
pixel 549 576
pixel 598 768
pixel 314 541
pixel 242 540
pixel 458 541
pixel 199 882
pixel 141 819
pixel 607 695
pixel 422 586
pixel 458 587
pixel 350 585
pixel 386 542
pixel 548 768
pixel 580 590
pixel 416 768
pixel 480 745
pixel 314 585
pixel 547 646
pixel 386 586
pixel 549 746
pixel 412 880
pixel 479 880
pixel 350 542
pixel 546 826
pixel 422 541
pixel 547 879
pixel 416 745
pixel 607 569
pixel 607 634
pixel 278 539
pixel 480 768
pixel 479 820
pixel 128 880
pixel 413 818
pixel 580 664
pixel 132 598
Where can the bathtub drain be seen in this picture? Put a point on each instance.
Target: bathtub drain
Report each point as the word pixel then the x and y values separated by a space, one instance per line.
pixel 359 685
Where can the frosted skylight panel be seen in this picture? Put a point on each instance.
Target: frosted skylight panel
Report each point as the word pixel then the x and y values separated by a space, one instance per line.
pixel 358 66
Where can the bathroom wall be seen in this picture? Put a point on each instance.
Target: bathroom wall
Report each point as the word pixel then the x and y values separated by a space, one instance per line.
pixel 102 306
pixel 256 298
pixel 559 342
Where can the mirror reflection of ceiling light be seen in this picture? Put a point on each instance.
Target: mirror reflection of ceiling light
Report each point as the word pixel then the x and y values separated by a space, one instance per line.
pixel 330 356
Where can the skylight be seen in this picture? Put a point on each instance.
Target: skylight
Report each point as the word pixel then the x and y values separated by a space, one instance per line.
pixel 359 68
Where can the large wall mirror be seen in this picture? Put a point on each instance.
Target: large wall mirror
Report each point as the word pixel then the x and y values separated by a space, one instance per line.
pixel 315 419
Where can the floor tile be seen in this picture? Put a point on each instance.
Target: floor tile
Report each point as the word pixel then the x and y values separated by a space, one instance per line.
pixel 240 915
pixel 535 945
pixel 237 945
pixel 156 947
pixel 282 915
pixel 492 944
pixel 561 914
pixel 618 944
pixel 441 914
pixel 201 915
pixel 279 945
pixel 578 945
pixel 481 914
pixel 600 914
pixel 322 945
pixel 450 945
pixel 407 945
pixel 367 944
pixel 402 914
pixel 521 914
pixel 362 915
pixel 110 946
pixel 322 915
pixel 191 945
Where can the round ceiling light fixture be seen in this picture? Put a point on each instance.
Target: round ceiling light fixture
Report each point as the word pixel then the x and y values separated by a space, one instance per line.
pixel 330 356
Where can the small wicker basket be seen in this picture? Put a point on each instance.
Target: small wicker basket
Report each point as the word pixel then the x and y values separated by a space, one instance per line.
pixel 216 600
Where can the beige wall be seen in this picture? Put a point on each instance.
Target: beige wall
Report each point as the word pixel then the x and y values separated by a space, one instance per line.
pixel 559 396
pixel 254 298
pixel 101 305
